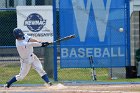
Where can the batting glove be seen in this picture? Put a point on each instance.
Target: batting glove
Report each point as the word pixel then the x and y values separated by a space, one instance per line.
pixel 45 44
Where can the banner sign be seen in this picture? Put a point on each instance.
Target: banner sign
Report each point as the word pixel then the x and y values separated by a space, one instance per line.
pixel 101 29
pixel 36 21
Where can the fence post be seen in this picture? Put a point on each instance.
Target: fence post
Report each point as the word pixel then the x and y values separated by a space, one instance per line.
pixel 55 36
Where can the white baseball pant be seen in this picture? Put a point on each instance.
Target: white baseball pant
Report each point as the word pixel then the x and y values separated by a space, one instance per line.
pixel 26 64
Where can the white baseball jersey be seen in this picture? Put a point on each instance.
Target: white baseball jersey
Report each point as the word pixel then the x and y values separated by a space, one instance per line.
pixel 28 58
pixel 25 48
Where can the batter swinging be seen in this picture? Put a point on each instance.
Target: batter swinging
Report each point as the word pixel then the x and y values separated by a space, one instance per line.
pixel 25 44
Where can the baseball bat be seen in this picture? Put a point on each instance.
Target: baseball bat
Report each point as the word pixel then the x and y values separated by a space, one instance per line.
pixel 64 38
pixel 93 69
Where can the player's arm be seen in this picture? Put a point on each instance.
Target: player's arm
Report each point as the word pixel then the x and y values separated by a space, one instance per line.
pixel 32 40
pixel 36 43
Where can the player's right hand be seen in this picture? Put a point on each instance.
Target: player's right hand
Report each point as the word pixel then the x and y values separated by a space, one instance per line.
pixel 45 44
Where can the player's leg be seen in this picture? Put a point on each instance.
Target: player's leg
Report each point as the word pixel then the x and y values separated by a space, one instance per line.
pixel 24 69
pixel 38 67
pixel 11 81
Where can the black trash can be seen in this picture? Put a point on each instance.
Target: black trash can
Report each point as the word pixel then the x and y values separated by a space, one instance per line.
pixel 131 72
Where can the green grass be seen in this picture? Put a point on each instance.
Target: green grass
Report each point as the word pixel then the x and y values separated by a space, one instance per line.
pixel 74 74
pixel 10 70
pixel 83 74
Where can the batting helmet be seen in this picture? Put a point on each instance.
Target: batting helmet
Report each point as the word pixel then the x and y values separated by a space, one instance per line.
pixel 18 33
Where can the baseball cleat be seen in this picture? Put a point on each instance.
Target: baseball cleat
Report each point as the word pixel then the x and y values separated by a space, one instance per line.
pixel 50 84
pixel 6 85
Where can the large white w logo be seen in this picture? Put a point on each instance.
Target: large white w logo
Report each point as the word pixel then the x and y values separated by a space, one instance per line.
pixel 82 11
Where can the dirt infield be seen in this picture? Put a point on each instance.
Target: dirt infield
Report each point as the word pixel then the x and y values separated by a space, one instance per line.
pixel 60 88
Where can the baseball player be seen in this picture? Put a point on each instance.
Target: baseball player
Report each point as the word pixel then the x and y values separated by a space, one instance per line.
pixel 25 44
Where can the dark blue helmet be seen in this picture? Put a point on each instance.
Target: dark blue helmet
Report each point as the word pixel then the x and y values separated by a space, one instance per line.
pixel 18 33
